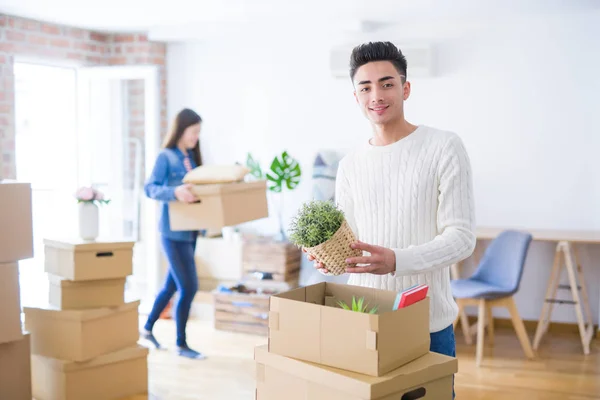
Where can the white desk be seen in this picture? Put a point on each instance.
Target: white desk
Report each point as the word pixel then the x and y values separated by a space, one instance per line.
pixel 566 256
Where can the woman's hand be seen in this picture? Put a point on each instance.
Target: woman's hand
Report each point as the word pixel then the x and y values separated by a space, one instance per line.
pixel 184 193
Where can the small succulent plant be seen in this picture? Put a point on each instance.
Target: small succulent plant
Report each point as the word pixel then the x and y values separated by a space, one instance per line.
pixel 315 223
pixel 357 305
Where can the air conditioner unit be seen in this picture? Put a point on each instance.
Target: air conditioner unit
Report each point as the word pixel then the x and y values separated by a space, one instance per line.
pixel 419 58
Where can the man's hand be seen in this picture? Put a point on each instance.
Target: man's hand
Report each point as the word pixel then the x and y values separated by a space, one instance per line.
pixel 381 261
pixel 318 265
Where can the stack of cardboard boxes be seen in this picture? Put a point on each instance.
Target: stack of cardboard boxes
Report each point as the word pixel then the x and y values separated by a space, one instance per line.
pixel 319 351
pixel 84 343
pixel 16 243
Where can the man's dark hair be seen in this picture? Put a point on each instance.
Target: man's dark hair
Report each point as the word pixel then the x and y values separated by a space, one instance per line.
pixel 377 51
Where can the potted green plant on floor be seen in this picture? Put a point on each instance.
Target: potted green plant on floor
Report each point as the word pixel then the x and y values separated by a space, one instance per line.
pixel 322 230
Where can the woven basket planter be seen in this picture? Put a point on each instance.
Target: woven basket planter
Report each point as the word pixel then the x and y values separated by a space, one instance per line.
pixel 334 252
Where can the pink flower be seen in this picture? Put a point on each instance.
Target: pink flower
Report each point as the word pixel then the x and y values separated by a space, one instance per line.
pixel 85 194
pixel 98 195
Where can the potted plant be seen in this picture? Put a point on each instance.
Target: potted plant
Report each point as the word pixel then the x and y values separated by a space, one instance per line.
pixel 322 230
pixel 88 199
pixel 358 305
pixel 284 173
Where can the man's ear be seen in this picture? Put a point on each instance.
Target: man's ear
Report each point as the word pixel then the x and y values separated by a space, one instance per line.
pixel 406 90
pixel 355 97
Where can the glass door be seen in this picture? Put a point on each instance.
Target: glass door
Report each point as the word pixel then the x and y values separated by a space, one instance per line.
pixel 118 140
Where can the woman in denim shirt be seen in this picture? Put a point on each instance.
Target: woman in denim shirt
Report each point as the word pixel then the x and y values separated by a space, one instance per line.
pixel 180 154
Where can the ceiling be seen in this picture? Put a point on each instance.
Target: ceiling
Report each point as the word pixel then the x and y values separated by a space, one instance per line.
pixel 175 20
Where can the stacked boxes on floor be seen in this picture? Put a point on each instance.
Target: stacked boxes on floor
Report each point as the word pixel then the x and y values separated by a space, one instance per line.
pixel 84 343
pixel 16 243
pixel 319 351
pixel 269 267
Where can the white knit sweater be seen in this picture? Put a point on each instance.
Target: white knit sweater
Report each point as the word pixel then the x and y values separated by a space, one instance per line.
pixel 414 196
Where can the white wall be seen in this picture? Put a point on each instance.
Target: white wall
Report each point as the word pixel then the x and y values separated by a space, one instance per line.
pixel 521 93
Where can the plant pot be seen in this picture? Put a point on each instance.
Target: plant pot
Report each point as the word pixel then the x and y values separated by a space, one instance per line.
pixel 88 221
pixel 334 252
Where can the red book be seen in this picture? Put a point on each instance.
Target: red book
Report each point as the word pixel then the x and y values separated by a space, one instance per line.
pixel 411 296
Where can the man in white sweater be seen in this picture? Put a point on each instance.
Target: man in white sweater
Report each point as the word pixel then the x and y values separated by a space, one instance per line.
pixel 406 193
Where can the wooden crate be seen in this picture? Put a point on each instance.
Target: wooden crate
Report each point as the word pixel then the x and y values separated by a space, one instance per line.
pixel 241 312
pixel 288 276
pixel 281 259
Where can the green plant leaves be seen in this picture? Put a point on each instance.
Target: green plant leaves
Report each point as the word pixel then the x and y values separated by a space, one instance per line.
pixel 343 305
pixel 358 305
pixel 315 223
pixel 254 167
pixel 284 169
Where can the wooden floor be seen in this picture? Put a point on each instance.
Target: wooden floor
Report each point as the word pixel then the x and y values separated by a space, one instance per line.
pixel 561 371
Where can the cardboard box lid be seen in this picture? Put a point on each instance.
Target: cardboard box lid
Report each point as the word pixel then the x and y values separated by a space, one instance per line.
pixel 110 358
pixel 425 369
pixel 77 244
pixel 78 315
pixel 62 282
pixel 221 188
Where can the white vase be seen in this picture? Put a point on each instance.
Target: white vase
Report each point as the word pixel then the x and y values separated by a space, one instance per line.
pixel 88 221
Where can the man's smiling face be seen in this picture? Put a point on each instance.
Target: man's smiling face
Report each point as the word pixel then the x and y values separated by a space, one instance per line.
pixel 380 91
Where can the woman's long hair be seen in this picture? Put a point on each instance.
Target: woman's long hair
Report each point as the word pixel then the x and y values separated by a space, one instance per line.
pixel 184 119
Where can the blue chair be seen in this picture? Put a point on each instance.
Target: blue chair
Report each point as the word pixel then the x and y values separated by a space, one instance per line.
pixel 493 284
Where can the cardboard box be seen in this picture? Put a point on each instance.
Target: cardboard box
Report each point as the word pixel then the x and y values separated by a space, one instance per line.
pixel 220 205
pixel 80 335
pixel 307 324
pixel 112 376
pixel 427 378
pixel 77 295
pixel 78 260
pixel 16 223
pixel 15 369
pixel 10 303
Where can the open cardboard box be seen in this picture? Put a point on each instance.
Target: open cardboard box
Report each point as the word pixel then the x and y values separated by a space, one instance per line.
pixel 16 235
pixel 220 205
pixel 306 324
pixel 427 378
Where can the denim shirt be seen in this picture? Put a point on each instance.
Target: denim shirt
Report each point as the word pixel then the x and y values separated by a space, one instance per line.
pixel 167 174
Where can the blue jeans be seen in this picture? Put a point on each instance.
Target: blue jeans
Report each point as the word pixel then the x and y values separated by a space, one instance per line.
pixel 443 342
pixel 182 277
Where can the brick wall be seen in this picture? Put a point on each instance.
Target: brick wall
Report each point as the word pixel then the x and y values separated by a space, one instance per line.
pixel 135 105
pixel 19 36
